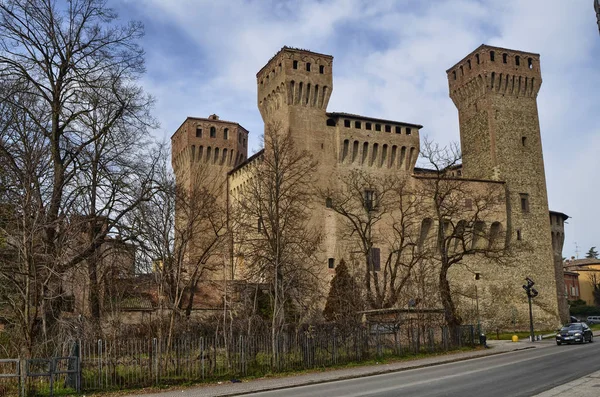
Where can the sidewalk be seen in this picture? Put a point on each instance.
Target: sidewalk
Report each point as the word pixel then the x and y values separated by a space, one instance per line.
pixel 264 384
pixel 588 386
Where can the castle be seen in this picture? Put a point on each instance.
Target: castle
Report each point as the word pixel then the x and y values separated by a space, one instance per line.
pixel 494 90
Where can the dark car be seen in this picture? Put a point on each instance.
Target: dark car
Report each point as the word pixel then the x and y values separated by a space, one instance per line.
pixel 574 333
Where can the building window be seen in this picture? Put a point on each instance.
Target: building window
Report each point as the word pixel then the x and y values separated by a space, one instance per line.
pixel 469 63
pixel 213 132
pixel 198 132
pixel 369 199
pixel 519 237
pixel 398 130
pixel 524 202
pixel 517 60
pixel 408 131
pixel 259 225
pixel 328 202
pixel 492 56
pixel 357 124
pixel 321 69
pixel 330 122
pixel 388 128
pixel 308 66
pixel 368 126
pixel 377 127
pixel 295 65
pixel 347 123
pixel 226 133
pixel 374 259
pixel 530 63
pixel 504 58
pixel 331 263
pixel 477 58
pixel 523 140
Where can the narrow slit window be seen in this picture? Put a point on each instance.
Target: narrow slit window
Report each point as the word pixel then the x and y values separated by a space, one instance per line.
pixel 519 237
pixel 328 202
pixel 492 56
pixel 530 63
pixel 517 60
pixel 477 58
pixel 524 140
pixel 524 197
pixel 504 58
pixel 226 133
pixel 331 263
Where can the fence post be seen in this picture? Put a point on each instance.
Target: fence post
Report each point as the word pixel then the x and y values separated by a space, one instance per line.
pixel 155 356
pixel 202 355
pixel 100 364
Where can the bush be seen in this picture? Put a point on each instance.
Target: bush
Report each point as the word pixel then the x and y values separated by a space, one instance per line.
pixel 578 302
pixel 585 310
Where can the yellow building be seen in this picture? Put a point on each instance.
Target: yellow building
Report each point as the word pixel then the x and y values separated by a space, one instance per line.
pixel 589 274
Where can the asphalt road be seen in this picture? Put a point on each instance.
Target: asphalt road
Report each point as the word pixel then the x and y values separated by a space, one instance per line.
pixel 521 373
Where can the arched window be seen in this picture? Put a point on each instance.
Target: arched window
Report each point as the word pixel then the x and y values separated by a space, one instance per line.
pixel 478 239
pixel 345 150
pixel 496 236
pixel 330 122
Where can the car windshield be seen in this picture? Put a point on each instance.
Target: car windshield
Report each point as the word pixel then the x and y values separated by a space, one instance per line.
pixel 571 327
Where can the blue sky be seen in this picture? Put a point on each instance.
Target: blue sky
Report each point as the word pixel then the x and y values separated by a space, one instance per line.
pixel 390 58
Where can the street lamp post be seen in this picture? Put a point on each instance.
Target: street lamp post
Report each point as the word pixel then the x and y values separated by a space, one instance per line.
pixel 531 293
pixel 477 277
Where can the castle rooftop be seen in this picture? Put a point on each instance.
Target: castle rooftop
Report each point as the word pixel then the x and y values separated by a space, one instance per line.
pixel 357 116
pixel 292 49
pixel 213 118
pixel 489 47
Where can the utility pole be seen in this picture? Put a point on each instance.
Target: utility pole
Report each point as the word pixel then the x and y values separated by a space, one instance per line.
pixel 531 293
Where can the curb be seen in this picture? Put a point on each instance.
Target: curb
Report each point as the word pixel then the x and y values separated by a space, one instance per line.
pixel 363 375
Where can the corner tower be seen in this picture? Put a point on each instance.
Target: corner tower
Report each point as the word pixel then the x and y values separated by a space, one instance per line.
pixel 495 90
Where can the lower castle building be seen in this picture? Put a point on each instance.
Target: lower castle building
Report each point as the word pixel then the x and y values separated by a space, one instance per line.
pixel 495 91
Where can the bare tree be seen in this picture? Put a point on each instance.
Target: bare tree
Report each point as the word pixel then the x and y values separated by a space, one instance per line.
pixel 459 210
pixel 69 76
pixel 273 231
pixel 379 213
pixel 182 232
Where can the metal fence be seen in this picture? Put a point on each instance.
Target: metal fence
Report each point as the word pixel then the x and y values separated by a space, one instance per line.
pixel 103 365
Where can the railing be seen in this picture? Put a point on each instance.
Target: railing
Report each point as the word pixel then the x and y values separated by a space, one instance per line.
pixel 103 365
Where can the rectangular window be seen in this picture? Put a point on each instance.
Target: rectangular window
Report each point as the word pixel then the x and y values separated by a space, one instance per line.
pixel 321 69
pixel 468 204
pixel 226 133
pixel 408 130
pixel 524 202
pixel 519 237
pixel 198 132
pixel 388 128
pixel 368 126
pixel 331 263
pixel 357 124
pixel 398 130
pixel 213 132
pixel 259 225
pixel 374 260
pixel 308 66
pixel 369 200
pixel 377 127
pixel 295 65
pixel 328 202
pixel 523 140
pixel 347 123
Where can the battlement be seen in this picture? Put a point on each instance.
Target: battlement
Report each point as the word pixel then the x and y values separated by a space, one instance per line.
pixel 377 143
pixel 494 69
pixel 208 140
pixel 294 77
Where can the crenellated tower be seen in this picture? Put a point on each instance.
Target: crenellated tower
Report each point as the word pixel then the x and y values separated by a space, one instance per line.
pixel 495 90
pixel 294 89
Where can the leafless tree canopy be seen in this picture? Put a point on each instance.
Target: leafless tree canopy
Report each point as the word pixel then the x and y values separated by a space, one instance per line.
pixel 74 148
pixel 273 232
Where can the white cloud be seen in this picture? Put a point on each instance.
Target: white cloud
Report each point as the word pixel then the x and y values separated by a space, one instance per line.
pixel 390 62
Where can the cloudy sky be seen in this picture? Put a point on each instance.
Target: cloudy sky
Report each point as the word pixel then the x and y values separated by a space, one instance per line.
pixel 390 58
